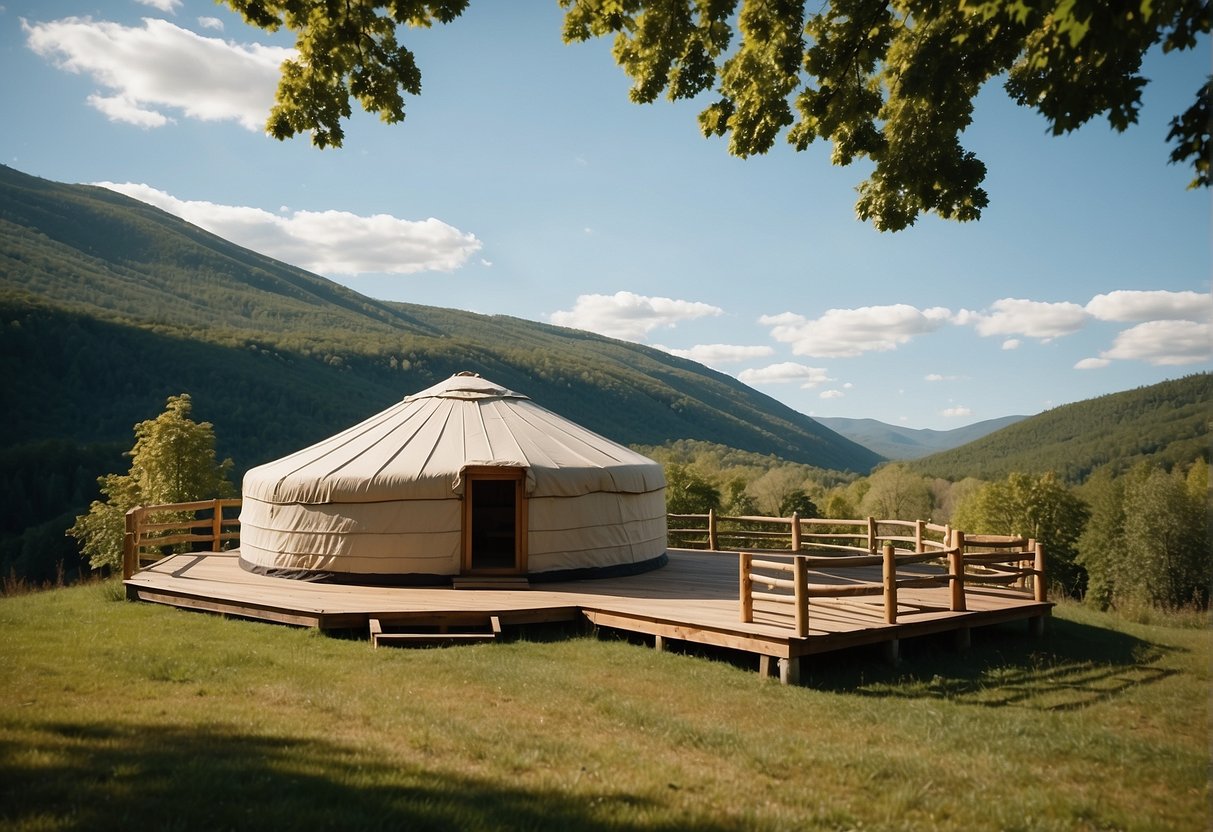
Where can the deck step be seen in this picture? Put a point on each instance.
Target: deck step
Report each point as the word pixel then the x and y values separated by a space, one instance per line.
pixel 380 635
pixel 490 582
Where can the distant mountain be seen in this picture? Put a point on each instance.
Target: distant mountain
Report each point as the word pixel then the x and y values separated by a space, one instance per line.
pixel 896 442
pixel 1166 423
pixel 109 305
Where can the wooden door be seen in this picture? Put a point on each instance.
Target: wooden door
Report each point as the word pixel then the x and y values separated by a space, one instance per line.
pixel 494 521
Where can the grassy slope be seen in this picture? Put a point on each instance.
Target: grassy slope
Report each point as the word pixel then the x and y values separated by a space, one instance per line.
pixel 129 716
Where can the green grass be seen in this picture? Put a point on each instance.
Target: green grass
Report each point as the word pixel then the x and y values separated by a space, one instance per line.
pixel 131 716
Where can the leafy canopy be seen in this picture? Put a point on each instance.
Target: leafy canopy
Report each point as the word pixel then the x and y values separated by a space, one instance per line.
pixel 892 83
pixel 173 461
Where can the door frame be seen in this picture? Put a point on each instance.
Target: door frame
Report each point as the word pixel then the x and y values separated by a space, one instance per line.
pixel 474 473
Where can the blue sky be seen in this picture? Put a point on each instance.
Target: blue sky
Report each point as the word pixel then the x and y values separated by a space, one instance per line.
pixel 523 182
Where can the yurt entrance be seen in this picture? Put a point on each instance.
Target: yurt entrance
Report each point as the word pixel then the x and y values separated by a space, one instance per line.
pixel 494 521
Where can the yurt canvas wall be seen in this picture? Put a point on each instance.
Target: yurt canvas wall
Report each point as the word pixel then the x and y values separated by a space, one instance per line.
pixel 463 478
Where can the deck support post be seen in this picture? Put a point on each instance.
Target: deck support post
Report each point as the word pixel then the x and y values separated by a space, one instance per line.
pixel 766 666
pixel 964 640
pixel 130 544
pixel 789 670
pixel 892 651
pixel 659 643
pixel 1036 626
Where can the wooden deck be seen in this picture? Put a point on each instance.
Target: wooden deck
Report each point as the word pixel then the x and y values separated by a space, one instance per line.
pixel 694 598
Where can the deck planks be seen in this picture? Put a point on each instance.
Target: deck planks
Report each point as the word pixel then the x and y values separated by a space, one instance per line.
pixel 693 598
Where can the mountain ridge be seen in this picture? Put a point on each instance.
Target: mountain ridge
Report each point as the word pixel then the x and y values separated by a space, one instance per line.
pixel 902 443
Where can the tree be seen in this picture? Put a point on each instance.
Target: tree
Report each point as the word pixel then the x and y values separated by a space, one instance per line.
pixel 892 83
pixel 896 493
pixel 688 492
pixel 172 461
pixel 1041 508
pixel 1152 547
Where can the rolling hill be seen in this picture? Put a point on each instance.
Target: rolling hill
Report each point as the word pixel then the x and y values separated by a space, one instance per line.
pixel 108 306
pixel 1164 423
pixel 896 442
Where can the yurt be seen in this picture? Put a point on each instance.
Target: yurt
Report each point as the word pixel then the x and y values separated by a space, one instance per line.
pixel 465 478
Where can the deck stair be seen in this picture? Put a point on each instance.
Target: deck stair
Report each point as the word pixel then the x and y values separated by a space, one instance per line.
pixel 441 636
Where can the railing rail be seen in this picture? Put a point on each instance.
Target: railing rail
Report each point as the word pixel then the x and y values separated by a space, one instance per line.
pixel 154 532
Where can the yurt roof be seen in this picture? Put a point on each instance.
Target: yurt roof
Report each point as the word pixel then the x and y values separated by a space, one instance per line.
pixel 420 447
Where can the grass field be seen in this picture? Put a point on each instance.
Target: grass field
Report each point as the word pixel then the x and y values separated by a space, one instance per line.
pixel 116 715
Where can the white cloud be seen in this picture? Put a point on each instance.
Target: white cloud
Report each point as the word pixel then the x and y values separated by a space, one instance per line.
pixel 211 23
pixel 832 394
pixel 1151 306
pixel 1092 364
pixel 955 412
pixel 328 242
pixel 784 373
pixel 1011 344
pixel 163 67
pixel 166 6
pixel 1164 343
pixel 630 316
pixel 1031 318
pixel 716 354
pixel 844 333
pixel 933 377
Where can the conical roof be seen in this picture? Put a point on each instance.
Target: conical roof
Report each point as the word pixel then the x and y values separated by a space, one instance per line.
pixel 419 448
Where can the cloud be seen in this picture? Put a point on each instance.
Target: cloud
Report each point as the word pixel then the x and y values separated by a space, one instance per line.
pixel 832 394
pixel 1031 318
pixel 630 316
pixel 166 6
pixel 328 242
pixel 940 377
pixel 955 412
pixel 211 23
pixel 160 67
pixel 1151 306
pixel 1163 343
pixel 1092 364
pixel 716 354
pixel 1011 344
pixel 844 333
pixel 784 373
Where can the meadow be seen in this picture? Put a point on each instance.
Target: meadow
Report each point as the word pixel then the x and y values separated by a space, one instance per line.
pixel 117 715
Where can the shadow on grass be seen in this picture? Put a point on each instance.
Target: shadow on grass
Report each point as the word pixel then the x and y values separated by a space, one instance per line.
pixel 90 777
pixel 1073 667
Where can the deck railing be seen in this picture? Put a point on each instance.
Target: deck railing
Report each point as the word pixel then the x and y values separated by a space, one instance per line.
pixel 781 589
pixel 155 532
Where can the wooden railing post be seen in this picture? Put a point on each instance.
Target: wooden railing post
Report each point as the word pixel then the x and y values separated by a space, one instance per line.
pixel 919 529
pixel 795 531
pixel 130 544
pixel 217 528
pixel 871 535
pixel 713 543
pixel 746 591
pixel 1040 590
pixel 800 575
pixel 890 584
pixel 956 568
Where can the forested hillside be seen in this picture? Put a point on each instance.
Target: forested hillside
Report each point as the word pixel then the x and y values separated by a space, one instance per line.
pixel 897 442
pixel 108 306
pixel 1164 423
